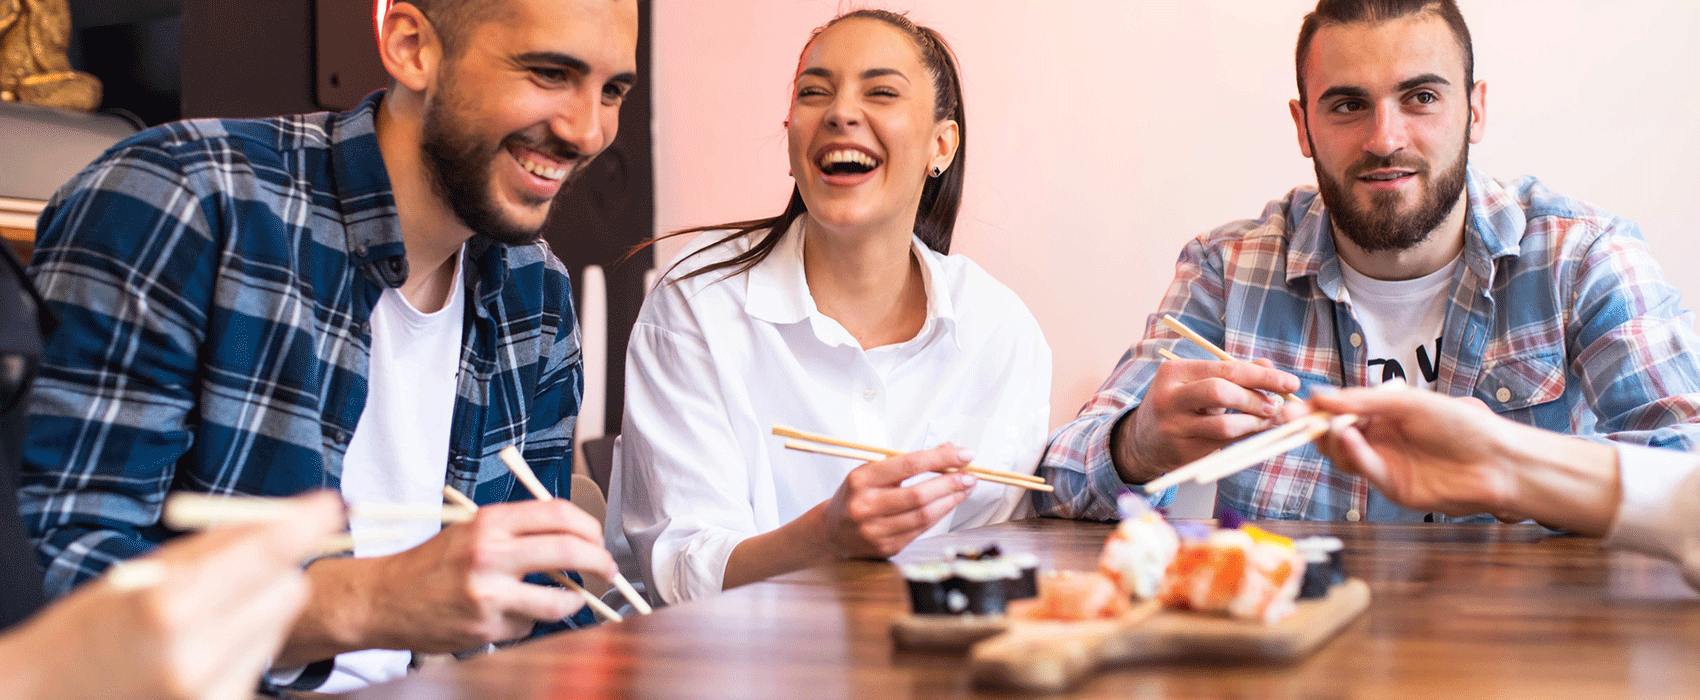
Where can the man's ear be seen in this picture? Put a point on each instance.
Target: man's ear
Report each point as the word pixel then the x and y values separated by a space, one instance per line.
pixel 409 47
pixel 1303 126
pixel 1478 111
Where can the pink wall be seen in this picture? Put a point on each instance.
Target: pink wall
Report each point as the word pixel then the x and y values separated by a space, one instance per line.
pixel 1107 133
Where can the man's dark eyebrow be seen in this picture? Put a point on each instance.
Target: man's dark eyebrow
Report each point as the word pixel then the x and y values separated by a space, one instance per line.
pixel 1343 91
pixel 572 63
pixel 1360 93
pixel 567 61
pixel 1423 79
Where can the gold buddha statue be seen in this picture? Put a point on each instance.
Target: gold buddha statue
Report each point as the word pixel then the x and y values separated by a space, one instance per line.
pixel 33 64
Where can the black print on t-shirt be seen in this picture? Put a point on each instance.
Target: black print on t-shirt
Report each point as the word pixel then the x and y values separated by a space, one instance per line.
pixel 1391 369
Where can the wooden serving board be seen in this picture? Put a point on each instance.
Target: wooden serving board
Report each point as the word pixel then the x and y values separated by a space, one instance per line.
pixel 1053 656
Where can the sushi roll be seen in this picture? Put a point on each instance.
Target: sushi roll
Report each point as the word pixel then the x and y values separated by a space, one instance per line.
pixel 1138 552
pixel 1076 595
pixel 1246 575
pixel 1322 565
pixel 984 585
pixel 930 586
pixel 1026 583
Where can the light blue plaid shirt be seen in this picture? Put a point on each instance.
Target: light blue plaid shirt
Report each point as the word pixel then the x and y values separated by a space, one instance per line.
pixel 1558 318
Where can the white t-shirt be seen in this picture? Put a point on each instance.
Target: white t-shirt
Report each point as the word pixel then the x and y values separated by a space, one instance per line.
pixel 1401 322
pixel 400 449
pixel 714 364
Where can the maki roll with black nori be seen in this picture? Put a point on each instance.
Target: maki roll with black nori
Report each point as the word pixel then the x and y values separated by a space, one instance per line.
pixel 1026 582
pixel 930 586
pixel 971 582
pixel 985 585
pixel 1323 569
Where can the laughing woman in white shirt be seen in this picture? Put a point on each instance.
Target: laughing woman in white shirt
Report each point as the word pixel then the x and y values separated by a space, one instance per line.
pixel 844 315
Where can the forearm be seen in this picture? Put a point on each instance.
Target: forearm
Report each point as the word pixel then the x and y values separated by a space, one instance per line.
pixel 339 615
pixel 1558 480
pixel 795 545
pixel 1123 455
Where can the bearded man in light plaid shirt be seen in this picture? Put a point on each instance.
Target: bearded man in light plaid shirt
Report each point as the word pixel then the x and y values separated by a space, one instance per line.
pixel 1404 262
pixel 356 301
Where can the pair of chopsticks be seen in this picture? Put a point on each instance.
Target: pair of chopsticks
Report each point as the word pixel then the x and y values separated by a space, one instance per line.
pixel 1253 450
pixel 560 577
pixel 1205 343
pixel 522 471
pixel 199 511
pixel 817 443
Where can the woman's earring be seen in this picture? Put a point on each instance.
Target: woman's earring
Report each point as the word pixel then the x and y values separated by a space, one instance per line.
pixel 936 171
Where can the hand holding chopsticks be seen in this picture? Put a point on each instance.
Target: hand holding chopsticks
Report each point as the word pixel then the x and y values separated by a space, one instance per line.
pixel 522 471
pixel 825 444
pixel 463 501
pixel 1210 347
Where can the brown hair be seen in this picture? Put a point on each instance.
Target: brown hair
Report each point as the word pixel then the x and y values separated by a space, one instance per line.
pixel 1337 12
pixel 941 197
pixel 453 20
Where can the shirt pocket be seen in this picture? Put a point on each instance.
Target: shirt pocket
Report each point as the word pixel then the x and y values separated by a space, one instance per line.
pixel 1522 381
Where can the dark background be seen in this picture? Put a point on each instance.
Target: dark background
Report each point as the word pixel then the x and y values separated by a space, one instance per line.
pixel 160 60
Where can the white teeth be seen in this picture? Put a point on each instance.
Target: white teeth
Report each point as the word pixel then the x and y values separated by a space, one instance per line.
pixel 847 155
pixel 541 170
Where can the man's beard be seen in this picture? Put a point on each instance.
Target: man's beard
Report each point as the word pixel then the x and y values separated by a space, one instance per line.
pixel 1380 226
pixel 460 170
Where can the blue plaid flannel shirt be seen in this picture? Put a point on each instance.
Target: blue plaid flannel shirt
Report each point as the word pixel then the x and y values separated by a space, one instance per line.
pixel 214 279
pixel 1559 318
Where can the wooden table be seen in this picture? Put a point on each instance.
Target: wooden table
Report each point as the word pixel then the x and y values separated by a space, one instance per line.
pixel 1459 611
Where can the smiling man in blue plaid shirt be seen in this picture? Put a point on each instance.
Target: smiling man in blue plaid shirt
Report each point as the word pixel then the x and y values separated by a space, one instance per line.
pixel 241 307
pixel 1403 262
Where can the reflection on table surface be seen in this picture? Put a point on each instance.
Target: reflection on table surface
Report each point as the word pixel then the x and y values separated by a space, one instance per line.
pixel 1459 611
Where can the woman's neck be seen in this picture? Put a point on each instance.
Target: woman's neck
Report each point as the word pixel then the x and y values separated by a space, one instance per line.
pixel 869 282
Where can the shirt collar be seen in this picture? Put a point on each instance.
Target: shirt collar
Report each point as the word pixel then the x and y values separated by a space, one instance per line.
pixel 1493 228
pixel 363 191
pixel 777 290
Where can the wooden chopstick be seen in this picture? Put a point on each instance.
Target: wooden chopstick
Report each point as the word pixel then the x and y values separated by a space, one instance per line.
pixel 198 511
pixel 516 463
pixel 601 608
pixel 1205 343
pixel 1168 354
pixel 804 435
pixel 862 456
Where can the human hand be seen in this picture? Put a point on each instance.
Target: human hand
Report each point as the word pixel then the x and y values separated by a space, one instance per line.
pixel 199 618
pixel 464 588
pixel 1424 451
pixel 1195 407
pixel 874 516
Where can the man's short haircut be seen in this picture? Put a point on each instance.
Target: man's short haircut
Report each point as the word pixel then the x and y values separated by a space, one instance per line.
pixel 1330 13
pixel 453 20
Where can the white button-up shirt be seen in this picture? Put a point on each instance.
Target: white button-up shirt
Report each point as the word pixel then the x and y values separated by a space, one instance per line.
pixel 715 362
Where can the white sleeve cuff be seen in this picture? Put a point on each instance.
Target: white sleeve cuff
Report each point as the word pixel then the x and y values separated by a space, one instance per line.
pixel 1660 509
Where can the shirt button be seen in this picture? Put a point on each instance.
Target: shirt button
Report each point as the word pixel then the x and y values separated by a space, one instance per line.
pixel 1503 394
pixel 1353 515
pixel 869 394
pixel 1357 340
